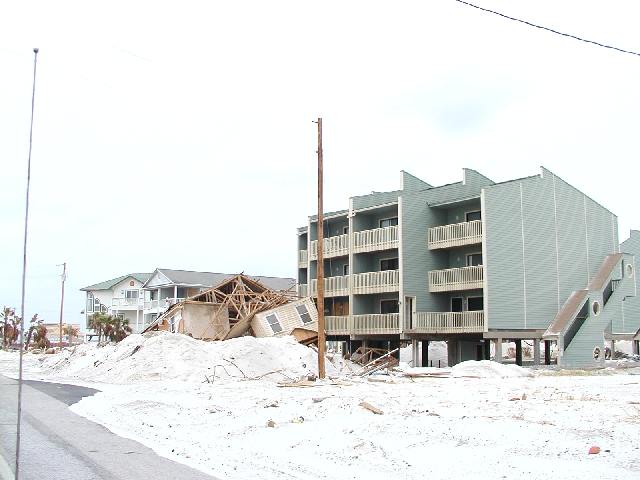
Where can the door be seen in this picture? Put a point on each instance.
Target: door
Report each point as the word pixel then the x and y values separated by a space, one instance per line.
pixel 456 304
pixel 409 307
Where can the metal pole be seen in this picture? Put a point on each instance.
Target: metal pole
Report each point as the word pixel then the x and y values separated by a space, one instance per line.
pixel 24 266
pixel 320 275
pixel 64 277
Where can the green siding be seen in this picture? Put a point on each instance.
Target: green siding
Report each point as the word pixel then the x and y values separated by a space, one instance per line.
pixel 629 322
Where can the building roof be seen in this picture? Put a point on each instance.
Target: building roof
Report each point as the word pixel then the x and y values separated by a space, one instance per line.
pixel 109 284
pixel 210 279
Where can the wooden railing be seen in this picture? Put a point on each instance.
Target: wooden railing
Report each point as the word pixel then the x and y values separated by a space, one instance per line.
pixel 454 279
pixel 303 290
pixel 333 286
pixel 302 258
pixel 376 239
pixel 161 304
pixel 333 247
pixel 374 323
pixel 455 235
pixel 376 282
pixel 337 325
pixel 448 322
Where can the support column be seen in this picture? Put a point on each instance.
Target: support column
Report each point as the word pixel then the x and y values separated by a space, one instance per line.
pixel 487 349
pixel 498 351
pixel 393 344
pixel 547 352
pixel 425 353
pixel 365 344
pixel 519 352
pixel 613 349
pixel 536 351
pixel 414 354
pixel 635 345
pixel 175 293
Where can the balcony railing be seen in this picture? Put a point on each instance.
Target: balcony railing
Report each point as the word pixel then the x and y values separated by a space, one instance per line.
pixel 126 302
pixel 333 286
pixel 303 290
pixel 333 247
pixel 161 304
pixel 454 279
pixel 376 282
pixel 377 239
pixel 375 323
pixel 455 235
pixel 337 325
pixel 448 322
pixel 302 258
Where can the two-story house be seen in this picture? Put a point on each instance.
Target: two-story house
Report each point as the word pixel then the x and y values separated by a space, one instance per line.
pixel 469 262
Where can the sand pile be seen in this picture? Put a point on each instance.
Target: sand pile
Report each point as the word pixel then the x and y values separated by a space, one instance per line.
pixel 488 369
pixel 165 356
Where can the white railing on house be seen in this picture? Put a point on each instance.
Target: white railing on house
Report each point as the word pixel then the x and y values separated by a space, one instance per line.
pixel 303 290
pixel 375 323
pixel 333 247
pixel 333 286
pixel 302 258
pixel 161 304
pixel 377 239
pixel 376 282
pixel 126 302
pixel 448 322
pixel 454 279
pixel 455 235
pixel 337 325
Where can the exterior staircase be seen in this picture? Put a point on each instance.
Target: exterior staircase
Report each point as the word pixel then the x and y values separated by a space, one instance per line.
pixel 580 324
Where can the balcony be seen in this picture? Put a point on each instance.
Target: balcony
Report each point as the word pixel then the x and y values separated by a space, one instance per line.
pixel 337 325
pixel 333 286
pixel 448 322
pixel 303 259
pixel 376 282
pixel 303 290
pixel 333 247
pixel 455 235
pixel 161 305
pixel 377 239
pixel 375 323
pixel 126 303
pixel 456 279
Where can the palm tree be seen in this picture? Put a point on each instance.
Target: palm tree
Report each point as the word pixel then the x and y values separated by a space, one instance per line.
pixel 70 331
pixel 7 315
pixel 117 329
pixel 97 322
pixel 35 321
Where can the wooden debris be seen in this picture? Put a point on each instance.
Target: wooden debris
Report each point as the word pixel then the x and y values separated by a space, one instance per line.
pixel 371 408
pixel 385 361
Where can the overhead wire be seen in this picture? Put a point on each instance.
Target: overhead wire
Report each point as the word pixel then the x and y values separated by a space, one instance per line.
pixel 548 29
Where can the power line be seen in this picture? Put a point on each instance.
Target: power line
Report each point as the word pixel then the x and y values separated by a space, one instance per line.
pixel 548 29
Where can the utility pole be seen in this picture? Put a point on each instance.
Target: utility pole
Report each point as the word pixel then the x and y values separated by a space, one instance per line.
pixel 320 274
pixel 64 277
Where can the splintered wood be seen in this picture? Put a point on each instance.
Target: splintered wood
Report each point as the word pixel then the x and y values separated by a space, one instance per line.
pixel 243 297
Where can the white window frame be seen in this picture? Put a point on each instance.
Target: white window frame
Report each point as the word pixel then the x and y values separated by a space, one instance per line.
pixel 91 297
pixel 472 211
pixel 266 317
pixel 474 296
pixel 307 313
pixel 388 218
pixel 462 304
pixel 389 258
pixel 137 291
pixel 470 255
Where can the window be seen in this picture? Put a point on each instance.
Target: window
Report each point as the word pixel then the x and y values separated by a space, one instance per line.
pixel 475 304
pixel 274 323
pixel 133 294
pixel 345 229
pixel 389 264
pixel 389 306
pixel 471 216
pixel 474 259
pixel 456 304
pixel 388 222
pixel 304 314
pixel 89 302
pixel 345 269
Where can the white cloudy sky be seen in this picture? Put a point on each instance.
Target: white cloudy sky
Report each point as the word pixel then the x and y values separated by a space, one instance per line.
pixel 180 134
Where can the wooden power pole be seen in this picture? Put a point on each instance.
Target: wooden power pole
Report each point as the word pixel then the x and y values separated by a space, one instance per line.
pixel 64 277
pixel 320 274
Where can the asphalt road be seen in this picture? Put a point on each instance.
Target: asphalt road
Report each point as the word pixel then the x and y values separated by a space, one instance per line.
pixel 57 444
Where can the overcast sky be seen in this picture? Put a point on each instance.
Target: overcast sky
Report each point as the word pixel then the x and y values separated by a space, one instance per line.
pixel 180 135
